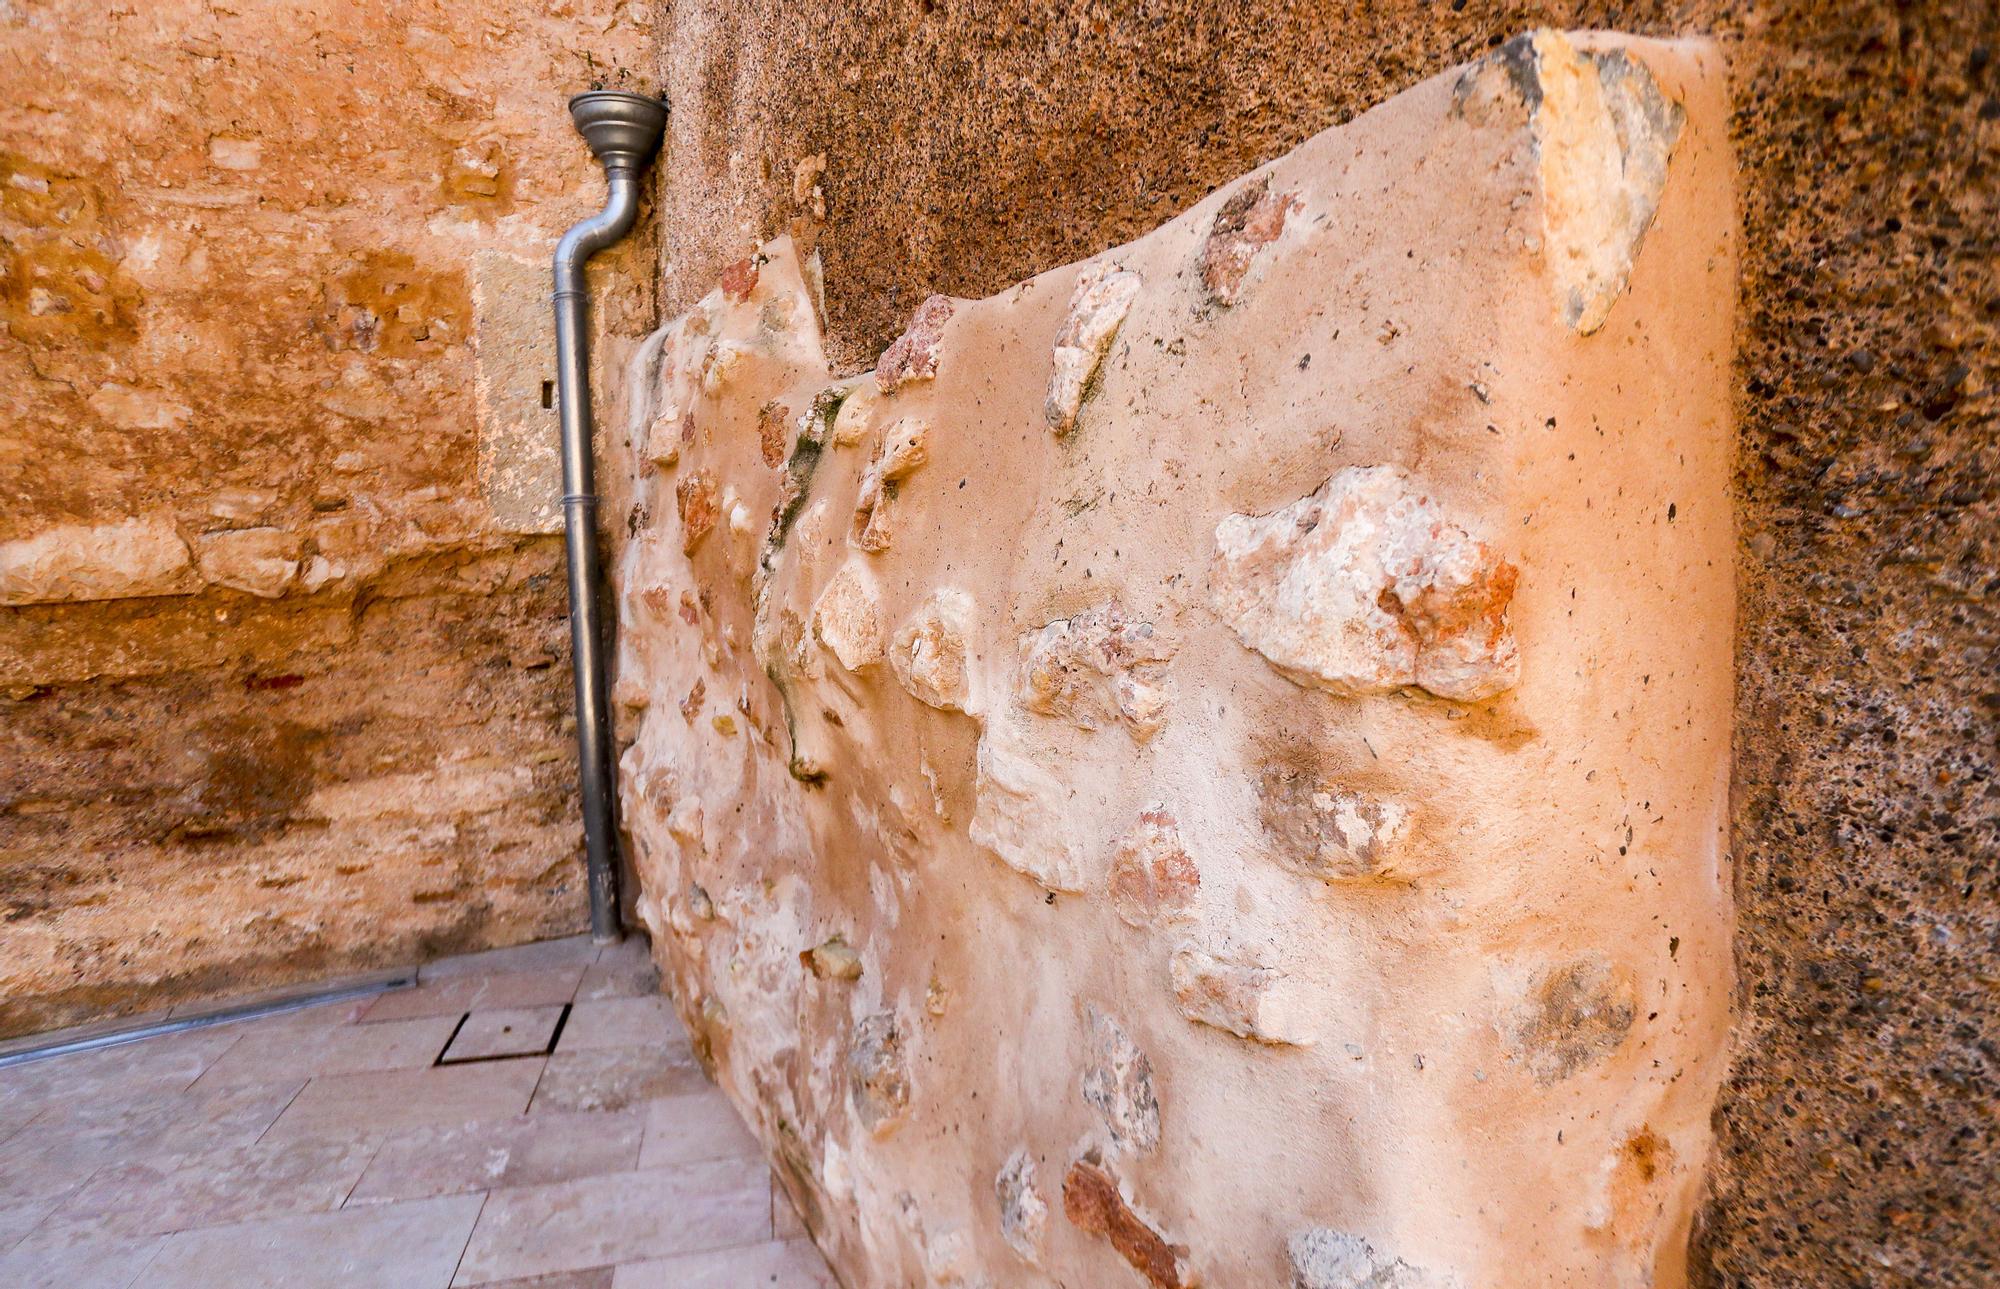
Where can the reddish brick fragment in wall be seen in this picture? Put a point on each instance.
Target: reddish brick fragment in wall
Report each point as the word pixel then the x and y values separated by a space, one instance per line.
pixel 1153 880
pixel 914 355
pixel 1250 220
pixel 1092 1203
pixel 695 494
pixel 740 279
pixel 773 420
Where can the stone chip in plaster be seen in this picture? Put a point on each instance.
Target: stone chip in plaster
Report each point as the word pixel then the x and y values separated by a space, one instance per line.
pixel 1604 133
pixel 929 650
pixel 1097 307
pixel 1322 1258
pixel 1118 1084
pixel 1153 880
pixel 1023 1212
pixel 1323 830
pixel 1367 586
pixel 1230 993
pixel 1095 667
pixel 1022 817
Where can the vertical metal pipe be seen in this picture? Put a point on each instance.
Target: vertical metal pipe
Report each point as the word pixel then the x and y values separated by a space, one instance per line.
pixel 623 131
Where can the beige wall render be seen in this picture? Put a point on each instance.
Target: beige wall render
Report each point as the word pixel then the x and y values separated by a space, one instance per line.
pixel 281 627
pixel 1215 759
pixel 937 145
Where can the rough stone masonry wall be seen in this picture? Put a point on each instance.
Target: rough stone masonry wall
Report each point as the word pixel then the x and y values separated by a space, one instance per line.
pixel 1177 775
pixel 282 658
pixel 935 146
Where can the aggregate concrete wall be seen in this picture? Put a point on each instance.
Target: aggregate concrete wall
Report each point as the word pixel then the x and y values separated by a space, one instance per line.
pixel 283 680
pixel 925 146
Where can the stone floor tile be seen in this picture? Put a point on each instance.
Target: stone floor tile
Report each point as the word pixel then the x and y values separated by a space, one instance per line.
pixel 620 1217
pixel 523 1151
pixel 622 1022
pixel 695 1126
pixel 271 1055
pixel 458 995
pixel 504 1031
pixel 18 1217
pixel 373 1106
pixel 613 1078
pixel 66 1144
pixel 205 1188
pixel 412 1245
pixel 775 1264
pixel 127 1071
pixel 623 970
pixel 109 1265
pixel 571 951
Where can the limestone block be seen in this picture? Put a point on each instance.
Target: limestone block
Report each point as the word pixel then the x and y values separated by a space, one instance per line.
pixel 259 561
pixel 133 557
pixel 1285 841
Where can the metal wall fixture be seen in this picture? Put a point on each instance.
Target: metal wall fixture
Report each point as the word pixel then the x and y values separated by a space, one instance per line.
pixel 623 131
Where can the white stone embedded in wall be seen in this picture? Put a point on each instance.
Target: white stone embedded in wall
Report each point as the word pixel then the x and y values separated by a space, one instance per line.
pixel 1283 845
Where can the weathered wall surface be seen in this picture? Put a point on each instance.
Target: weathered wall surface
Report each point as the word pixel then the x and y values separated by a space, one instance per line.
pixel 959 147
pixel 1175 776
pixel 282 656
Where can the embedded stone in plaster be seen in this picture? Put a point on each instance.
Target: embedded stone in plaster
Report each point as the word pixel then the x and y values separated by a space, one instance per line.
pixel 696 497
pixel 1325 831
pixel 834 959
pixel 1367 586
pixel 903 450
pixel 140 556
pixel 1097 307
pixel 1326 1259
pixel 857 415
pixel 774 421
pixel 847 618
pixel 1118 1084
pixel 1021 817
pixel 1023 1212
pixel 1153 880
pixel 1604 134
pixel 913 356
pixel 1094 1203
pixel 1248 221
pixel 1243 997
pixel 1095 667
pixel 878 1072
pixel 929 651
pixel 1567 1016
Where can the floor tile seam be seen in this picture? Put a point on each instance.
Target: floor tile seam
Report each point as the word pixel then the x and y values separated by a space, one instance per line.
pixel 290 1101
pixel 159 1247
pixel 458 1264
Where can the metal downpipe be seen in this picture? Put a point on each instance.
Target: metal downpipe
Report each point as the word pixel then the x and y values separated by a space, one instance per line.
pixel 623 131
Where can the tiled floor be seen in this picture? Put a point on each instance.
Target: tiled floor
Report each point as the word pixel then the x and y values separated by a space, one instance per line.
pixel 327 1147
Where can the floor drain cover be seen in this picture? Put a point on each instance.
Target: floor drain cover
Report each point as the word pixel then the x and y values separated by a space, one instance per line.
pixel 503 1032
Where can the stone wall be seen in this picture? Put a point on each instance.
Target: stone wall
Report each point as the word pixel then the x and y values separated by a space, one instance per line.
pixel 283 681
pixel 925 147
pixel 1185 743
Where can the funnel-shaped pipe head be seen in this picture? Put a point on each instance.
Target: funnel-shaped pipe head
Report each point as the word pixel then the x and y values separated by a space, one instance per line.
pixel 622 129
